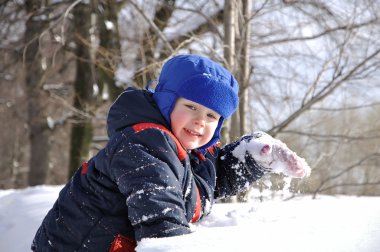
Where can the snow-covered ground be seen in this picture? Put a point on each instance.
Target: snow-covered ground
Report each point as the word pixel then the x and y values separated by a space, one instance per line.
pixel 328 223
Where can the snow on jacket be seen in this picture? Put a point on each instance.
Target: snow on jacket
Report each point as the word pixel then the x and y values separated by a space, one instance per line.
pixel 142 184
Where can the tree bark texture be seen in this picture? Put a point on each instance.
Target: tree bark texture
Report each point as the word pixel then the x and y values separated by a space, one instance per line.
pixel 81 135
pixel 108 54
pixel 229 54
pixel 34 77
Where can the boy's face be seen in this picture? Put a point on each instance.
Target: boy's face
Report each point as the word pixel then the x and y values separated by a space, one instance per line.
pixel 192 123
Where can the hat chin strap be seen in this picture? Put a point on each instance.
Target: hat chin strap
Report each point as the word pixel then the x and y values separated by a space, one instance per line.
pixel 214 139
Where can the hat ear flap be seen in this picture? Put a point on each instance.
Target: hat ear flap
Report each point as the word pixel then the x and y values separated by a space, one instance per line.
pixel 166 102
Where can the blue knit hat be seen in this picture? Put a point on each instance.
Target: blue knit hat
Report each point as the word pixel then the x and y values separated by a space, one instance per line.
pixel 200 80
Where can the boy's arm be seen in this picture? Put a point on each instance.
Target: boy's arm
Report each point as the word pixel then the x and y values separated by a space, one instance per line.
pixel 235 175
pixel 149 173
pixel 251 157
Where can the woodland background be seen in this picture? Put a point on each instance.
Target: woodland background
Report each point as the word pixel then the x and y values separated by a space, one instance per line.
pixel 308 72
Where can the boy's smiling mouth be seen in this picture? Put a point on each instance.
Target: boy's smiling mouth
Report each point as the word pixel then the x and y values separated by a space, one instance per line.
pixel 193 133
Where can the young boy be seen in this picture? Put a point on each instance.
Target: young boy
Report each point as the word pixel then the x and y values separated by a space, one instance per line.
pixel 161 168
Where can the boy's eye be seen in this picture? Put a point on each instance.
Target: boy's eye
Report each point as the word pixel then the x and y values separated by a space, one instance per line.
pixel 191 107
pixel 212 116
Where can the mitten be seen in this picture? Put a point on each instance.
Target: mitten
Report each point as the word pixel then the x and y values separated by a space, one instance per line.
pixel 272 154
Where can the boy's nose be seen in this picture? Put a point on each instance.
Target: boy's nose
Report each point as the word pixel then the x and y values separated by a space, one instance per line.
pixel 199 121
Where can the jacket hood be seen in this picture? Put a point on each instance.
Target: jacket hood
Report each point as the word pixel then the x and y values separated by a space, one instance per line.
pixel 131 107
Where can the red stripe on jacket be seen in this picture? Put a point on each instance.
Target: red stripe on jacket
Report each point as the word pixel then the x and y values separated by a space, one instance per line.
pixel 84 168
pixel 182 154
pixel 123 244
pixel 197 211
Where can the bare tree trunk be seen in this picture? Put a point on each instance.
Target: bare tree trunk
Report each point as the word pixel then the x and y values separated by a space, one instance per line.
pixel 34 77
pixel 243 71
pixel 81 135
pixel 230 12
pixel 108 54
pixel 244 67
pixel 14 139
pixel 229 53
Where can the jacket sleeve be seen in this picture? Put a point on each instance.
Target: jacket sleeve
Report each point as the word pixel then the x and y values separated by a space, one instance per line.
pixel 235 174
pixel 148 172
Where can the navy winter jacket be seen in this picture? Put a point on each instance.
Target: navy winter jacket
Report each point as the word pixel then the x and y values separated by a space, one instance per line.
pixel 142 184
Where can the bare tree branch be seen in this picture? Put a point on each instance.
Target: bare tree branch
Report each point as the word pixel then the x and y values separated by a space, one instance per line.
pixel 376 183
pixel 153 25
pixel 338 79
pixel 348 108
pixel 344 171
pixel 328 136
pixel 317 35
